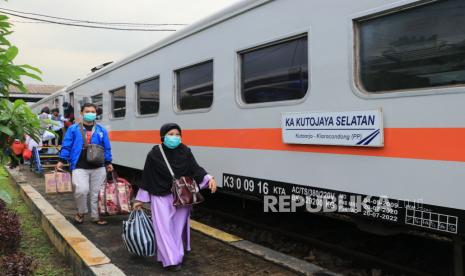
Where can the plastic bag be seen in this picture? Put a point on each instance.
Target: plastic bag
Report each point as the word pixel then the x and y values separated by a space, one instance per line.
pixel 138 234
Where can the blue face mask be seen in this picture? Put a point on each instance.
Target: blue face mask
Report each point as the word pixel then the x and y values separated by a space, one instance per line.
pixel 89 117
pixel 172 141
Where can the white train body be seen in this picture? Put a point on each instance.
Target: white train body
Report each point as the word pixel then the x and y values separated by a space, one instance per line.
pixel 422 158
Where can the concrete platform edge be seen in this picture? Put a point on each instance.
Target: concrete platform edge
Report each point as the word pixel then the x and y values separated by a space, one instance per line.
pixel 54 225
pixel 273 256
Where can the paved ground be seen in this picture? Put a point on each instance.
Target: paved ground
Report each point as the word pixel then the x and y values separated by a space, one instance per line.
pixel 208 256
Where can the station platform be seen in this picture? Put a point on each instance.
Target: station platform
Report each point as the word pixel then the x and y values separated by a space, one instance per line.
pixel 98 250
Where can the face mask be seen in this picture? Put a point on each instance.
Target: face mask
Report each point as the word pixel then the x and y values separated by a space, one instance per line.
pixel 172 141
pixel 89 117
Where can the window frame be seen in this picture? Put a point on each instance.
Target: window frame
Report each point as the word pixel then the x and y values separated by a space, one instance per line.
pixel 175 87
pixel 354 60
pixel 136 100
pixel 265 44
pixel 92 101
pixel 111 92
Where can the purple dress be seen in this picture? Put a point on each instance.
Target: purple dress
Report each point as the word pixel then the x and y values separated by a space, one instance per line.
pixel 171 224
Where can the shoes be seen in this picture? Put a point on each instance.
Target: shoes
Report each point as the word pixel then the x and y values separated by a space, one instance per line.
pixel 177 267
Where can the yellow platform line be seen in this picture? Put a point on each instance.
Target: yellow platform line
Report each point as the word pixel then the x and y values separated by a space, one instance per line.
pixel 213 232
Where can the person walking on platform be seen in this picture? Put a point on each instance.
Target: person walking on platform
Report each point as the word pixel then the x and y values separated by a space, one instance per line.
pixel 87 175
pixel 171 223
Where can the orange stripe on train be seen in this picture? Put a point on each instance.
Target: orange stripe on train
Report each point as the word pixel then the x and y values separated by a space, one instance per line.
pixel 446 144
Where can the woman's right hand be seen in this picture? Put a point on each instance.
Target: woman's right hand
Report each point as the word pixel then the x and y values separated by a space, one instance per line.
pixel 137 205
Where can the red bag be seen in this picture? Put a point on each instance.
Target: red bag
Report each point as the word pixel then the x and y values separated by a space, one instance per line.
pixel 115 196
pixel 17 147
pixel 27 154
pixel 184 189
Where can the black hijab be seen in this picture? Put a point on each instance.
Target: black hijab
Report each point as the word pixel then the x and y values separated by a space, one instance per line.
pixel 156 178
pixel 167 127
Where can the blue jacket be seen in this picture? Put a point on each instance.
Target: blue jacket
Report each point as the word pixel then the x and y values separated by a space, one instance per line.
pixel 72 144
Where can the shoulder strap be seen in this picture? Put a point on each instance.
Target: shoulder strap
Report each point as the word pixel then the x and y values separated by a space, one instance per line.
pixel 166 160
pixel 81 128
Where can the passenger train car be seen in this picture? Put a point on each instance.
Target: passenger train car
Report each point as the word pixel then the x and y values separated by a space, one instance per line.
pixel 233 80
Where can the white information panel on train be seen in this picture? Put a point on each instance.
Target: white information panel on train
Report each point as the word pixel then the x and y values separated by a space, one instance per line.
pixel 346 128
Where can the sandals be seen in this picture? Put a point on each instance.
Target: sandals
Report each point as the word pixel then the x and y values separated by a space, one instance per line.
pixel 100 222
pixel 79 218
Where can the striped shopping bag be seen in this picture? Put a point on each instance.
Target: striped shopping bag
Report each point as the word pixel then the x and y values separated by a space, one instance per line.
pixel 138 234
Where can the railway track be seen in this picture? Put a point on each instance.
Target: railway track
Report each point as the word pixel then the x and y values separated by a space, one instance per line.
pixel 351 251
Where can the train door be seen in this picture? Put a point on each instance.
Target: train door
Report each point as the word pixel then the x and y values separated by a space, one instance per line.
pixel 56 103
pixel 71 98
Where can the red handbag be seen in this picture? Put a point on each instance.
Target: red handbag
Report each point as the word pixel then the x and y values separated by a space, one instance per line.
pixel 27 154
pixel 115 196
pixel 184 189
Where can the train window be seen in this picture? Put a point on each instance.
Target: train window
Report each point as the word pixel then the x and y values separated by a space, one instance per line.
pixel 277 72
pixel 118 102
pixel 420 47
pixel 194 86
pixel 148 96
pixel 98 101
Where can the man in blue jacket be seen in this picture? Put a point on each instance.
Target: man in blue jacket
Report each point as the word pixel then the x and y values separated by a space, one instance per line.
pixel 86 176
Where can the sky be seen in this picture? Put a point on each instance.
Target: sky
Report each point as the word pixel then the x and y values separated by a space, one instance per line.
pixel 66 53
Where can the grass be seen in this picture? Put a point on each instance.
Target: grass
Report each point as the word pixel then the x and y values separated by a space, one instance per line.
pixel 34 241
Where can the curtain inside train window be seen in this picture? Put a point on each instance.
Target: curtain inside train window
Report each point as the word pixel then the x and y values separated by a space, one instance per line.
pixel 118 102
pixel 194 86
pixel 420 47
pixel 148 96
pixel 277 72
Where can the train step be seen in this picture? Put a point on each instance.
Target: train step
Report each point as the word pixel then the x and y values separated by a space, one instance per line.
pixel 53 165
pixel 48 156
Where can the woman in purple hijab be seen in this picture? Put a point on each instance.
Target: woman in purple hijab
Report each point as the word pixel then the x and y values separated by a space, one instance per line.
pixel 171 223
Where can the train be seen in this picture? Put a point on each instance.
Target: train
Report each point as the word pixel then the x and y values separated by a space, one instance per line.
pixel 320 99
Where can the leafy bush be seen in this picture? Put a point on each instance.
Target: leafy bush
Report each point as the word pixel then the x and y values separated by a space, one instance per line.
pixel 17 265
pixel 2 205
pixel 15 119
pixel 10 232
pixel 10 74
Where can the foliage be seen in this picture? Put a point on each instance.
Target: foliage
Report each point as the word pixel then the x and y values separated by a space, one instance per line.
pixel 10 74
pixel 10 232
pixel 34 242
pixel 16 120
pixel 17 264
pixel 2 204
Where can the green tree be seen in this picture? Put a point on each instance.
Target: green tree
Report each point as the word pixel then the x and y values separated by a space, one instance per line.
pixel 16 119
